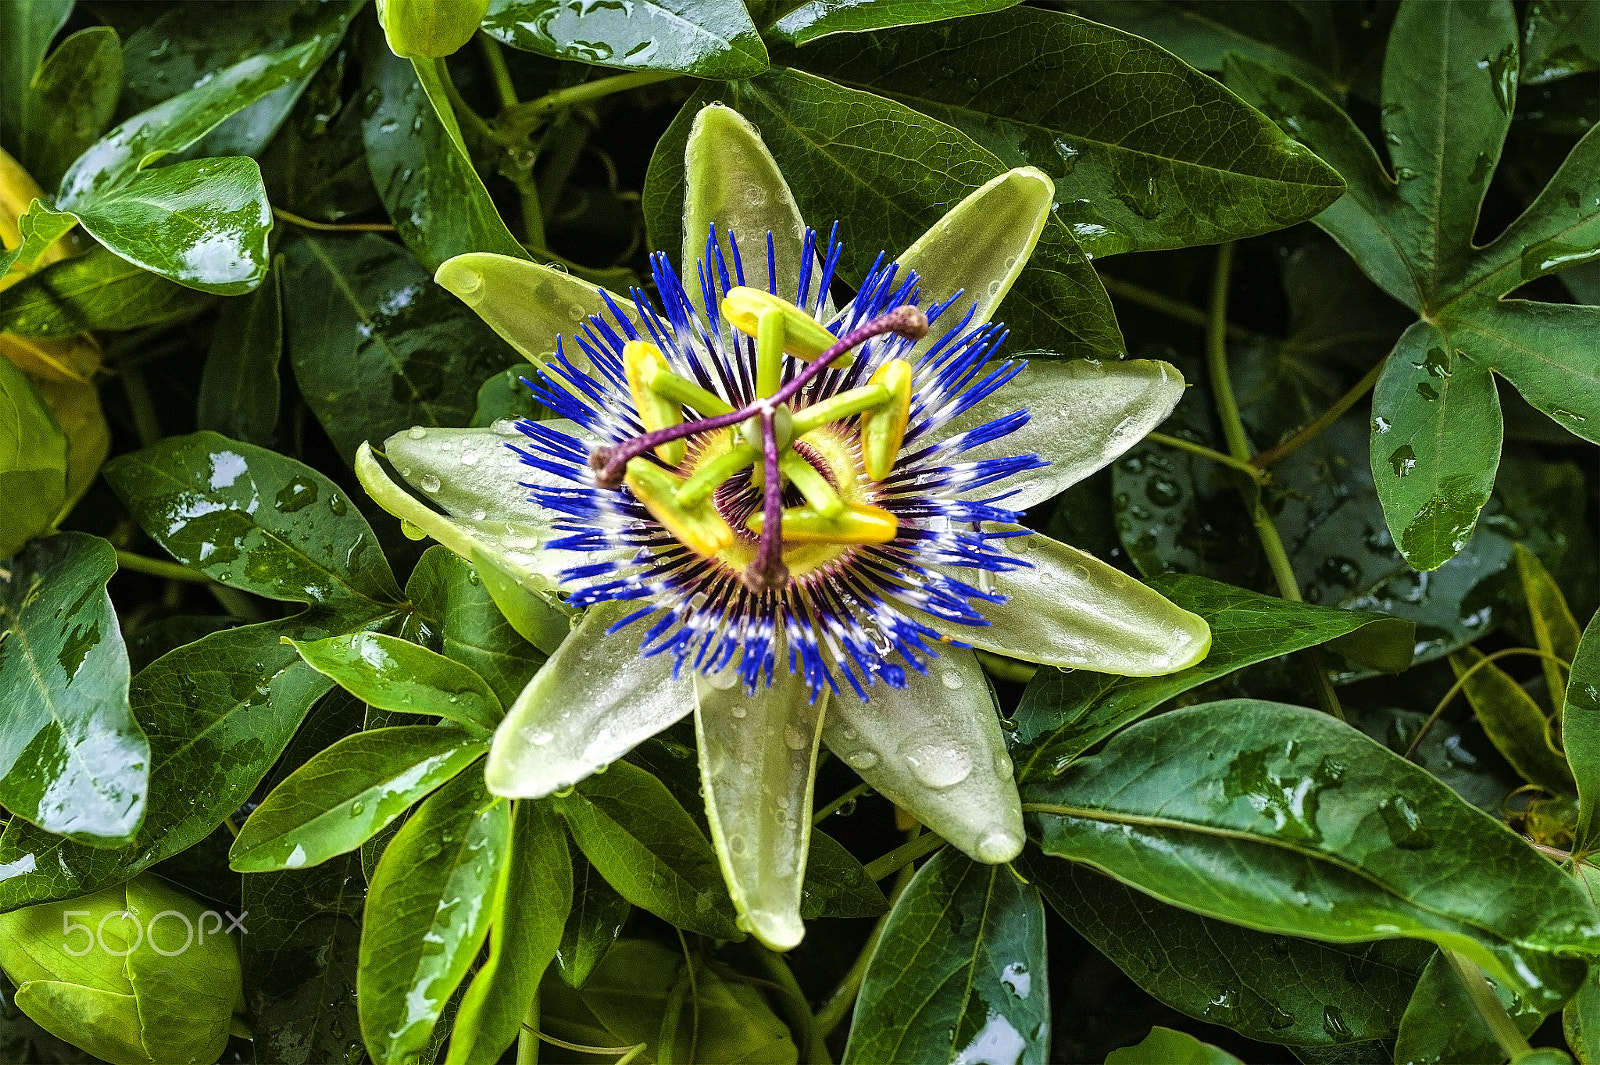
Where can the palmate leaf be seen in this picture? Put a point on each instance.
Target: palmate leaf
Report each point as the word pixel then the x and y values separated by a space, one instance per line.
pixel 1449 89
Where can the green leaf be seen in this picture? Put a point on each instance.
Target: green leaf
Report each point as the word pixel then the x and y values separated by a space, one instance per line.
pixel 448 591
pixel 1581 1015
pixel 1287 821
pixel 26 29
pixel 348 793
pixel 424 919
pixel 254 519
pixel 596 919
pixel 1580 733
pixel 1555 630
pixel 529 910
pixel 218 712
pixel 392 674
pixel 1560 38
pixel 435 197
pixel 72 759
pixel 175 124
pixel 888 173
pixel 1442 1024
pixel 635 833
pixel 959 973
pixel 836 885
pixel 98 290
pixel 33 461
pixel 707 38
pixel 40 228
pixel 203 224
pixel 1515 723
pixel 316 165
pixel 1064 714
pixel 1165 1046
pixel 239 388
pixel 819 18
pixel 77 91
pixel 1146 152
pixel 1275 989
pixel 375 345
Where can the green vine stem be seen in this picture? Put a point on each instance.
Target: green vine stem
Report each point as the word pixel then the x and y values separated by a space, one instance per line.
pixel 813 1042
pixel 1461 682
pixel 1325 419
pixel 1170 307
pixel 1250 470
pixel 1512 1042
pixel 330 227
pixel 156 567
pixel 522 154
pixel 848 797
pixel 586 93
pixel 904 855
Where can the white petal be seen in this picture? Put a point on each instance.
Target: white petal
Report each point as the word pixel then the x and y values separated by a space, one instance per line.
pixel 935 748
pixel 758 761
pixel 591 703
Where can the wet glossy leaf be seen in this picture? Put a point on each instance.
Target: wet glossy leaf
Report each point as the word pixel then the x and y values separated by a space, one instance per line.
pixel 635 833
pixel 254 519
pixel 593 924
pixel 1288 821
pixel 392 674
pixel 1441 1023
pixel 1189 164
pixel 1277 989
pixel 439 205
pixel 40 228
pixel 1064 714
pixel 203 224
pixel 72 759
pixel 239 388
pixel 1166 1046
pixel 1581 1015
pixel 1580 732
pixel 819 18
pixel 1515 723
pixel 836 885
pixel 33 461
pixel 448 591
pixel 77 87
pixel 375 345
pixel 26 29
pixel 706 38
pixel 348 793
pixel 425 918
pixel 527 914
pixel 316 166
pixel 960 972
pixel 888 173
pixel 218 712
pixel 97 290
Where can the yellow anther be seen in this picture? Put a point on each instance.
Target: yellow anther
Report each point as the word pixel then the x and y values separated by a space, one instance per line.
pixel 643 362
pixel 699 527
pixel 803 336
pixel 856 523
pixel 883 429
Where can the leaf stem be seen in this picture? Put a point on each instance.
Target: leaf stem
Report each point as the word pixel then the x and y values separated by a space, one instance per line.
pixel 330 227
pixel 498 72
pixel 848 797
pixel 1170 307
pixel 1461 682
pixel 521 159
pixel 145 421
pixel 588 92
pixel 1246 468
pixel 1512 1042
pixel 1325 419
pixel 1239 448
pixel 156 567
pixel 902 856
pixel 813 1043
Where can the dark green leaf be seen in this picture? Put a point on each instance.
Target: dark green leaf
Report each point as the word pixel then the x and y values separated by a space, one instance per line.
pixel 1146 152
pixel 33 461
pixel 72 759
pixel 527 914
pixel 1165 1046
pixel 40 227
pixel 818 18
pixel 348 793
pixel 836 885
pixel 316 166
pixel 218 712
pixel 26 29
pixel 596 920
pixel 77 88
pixel 635 833
pixel 1580 1019
pixel 98 290
pixel 376 346
pixel 1277 989
pixel 706 38
pixel 1515 723
pixel 396 675
pixel 1560 38
pixel 1442 1024
pixel 1064 714
pixel 1555 630
pixel 447 590
pixel 203 224
pixel 239 386
pixel 1580 732
pixel 424 919
pixel 1288 821
pixel 959 973
pixel 436 199
pixel 253 519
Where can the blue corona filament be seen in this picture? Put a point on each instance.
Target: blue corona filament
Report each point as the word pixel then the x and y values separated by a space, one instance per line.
pixel 863 611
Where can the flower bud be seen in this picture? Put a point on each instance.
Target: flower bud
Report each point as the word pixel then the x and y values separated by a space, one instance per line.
pixel 429 29
pixel 134 974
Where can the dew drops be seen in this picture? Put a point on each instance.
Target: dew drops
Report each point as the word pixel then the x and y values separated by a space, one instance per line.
pixel 1404 173
pixel 1404 824
pixel 429 483
pixel 795 737
pixel 357 809
pixel 936 763
pixel 951 679
pixel 862 759
pixel 417 432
